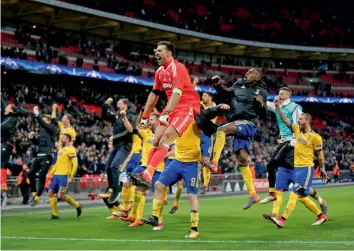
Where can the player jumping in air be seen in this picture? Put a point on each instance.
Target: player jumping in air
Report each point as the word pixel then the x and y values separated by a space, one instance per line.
pixel 248 97
pixel 63 172
pixel 307 143
pixel 183 103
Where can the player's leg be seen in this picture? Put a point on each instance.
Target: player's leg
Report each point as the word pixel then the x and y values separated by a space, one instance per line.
pixel 138 207
pixel 121 156
pixel 126 192
pixel 179 122
pixel 168 177
pixel 323 204
pixel 283 179
pixel 303 182
pixel 53 187
pixel 63 184
pixel 220 137
pixel 35 167
pixel 6 150
pixel 112 155
pixel 155 178
pixel 178 195
pixel 242 157
pixel 190 175
pixel 271 170
pixel 45 163
pixel 112 207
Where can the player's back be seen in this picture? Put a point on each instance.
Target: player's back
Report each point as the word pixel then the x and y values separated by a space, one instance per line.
pixel 188 146
pixel 136 148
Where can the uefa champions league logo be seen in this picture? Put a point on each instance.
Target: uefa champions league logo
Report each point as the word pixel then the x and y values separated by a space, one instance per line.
pixel 130 79
pixel 312 99
pixel 93 74
pixel 53 69
pixel 9 63
pixel 345 101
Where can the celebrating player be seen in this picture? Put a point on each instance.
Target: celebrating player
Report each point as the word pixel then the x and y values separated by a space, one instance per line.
pixel 46 146
pixel 283 158
pixel 123 125
pixel 184 166
pixel 183 103
pixel 247 104
pixel 139 199
pixel 307 142
pixel 63 172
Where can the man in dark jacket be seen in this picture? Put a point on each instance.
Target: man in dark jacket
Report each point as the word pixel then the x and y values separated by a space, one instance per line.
pixel 123 124
pixel 247 103
pixel 8 131
pixel 46 146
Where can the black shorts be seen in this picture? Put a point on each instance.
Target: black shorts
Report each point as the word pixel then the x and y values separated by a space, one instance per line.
pixel 283 156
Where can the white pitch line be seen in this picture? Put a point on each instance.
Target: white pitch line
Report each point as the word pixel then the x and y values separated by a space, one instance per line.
pixel 182 241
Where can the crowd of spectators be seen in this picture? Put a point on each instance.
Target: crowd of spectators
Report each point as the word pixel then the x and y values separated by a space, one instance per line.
pixel 316 26
pixel 93 132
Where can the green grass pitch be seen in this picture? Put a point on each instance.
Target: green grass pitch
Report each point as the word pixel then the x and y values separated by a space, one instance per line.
pixel 223 225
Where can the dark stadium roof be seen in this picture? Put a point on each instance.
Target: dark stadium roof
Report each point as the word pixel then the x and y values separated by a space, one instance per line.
pixel 113 26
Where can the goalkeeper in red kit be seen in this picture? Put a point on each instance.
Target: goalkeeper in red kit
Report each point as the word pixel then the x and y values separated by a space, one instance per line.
pixel 183 104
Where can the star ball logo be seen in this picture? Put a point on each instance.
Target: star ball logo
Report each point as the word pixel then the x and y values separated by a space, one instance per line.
pixel 312 99
pixel 53 69
pixel 345 101
pixel 9 63
pixel 130 79
pixel 93 74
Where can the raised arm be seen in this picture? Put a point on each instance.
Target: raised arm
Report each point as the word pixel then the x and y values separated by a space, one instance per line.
pixel 39 118
pixel 222 90
pixel 261 105
pixel 107 113
pixel 282 115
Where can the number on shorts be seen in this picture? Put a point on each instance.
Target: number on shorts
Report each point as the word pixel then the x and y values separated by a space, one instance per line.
pixel 175 121
pixel 193 182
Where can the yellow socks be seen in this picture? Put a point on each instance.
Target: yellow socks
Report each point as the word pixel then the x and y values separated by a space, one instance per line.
pixel 156 207
pixel 178 197
pixel 271 190
pixel 125 197
pixel 291 205
pixel 277 203
pixel 136 204
pixel 132 194
pixel 194 218
pixel 140 212
pixel 68 199
pixel 219 144
pixel 310 205
pixel 53 205
pixel 206 177
pixel 161 215
pixel 165 195
pixel 247 178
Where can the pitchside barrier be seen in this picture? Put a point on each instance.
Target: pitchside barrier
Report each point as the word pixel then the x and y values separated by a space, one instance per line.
pixel 89 186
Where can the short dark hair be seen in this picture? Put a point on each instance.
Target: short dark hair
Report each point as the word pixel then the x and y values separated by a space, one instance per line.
pixel 68 135
pixel 170 46
pixel 260 74
pixel 286 89
pixel 125 101
pixel 308 116
pixel 210 94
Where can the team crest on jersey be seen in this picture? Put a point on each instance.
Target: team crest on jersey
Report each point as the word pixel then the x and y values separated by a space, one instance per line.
pixel 165 77
pixel 257 92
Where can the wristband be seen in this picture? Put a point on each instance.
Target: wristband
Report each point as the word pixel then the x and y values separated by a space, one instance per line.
pixel 146 115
